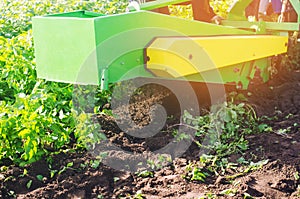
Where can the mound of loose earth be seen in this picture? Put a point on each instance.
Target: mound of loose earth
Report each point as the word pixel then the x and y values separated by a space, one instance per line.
pixel 86 178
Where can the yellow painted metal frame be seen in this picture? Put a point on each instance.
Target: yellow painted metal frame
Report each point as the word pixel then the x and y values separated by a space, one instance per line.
pixel 184 56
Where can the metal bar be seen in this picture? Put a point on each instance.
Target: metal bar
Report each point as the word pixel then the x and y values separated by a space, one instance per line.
pixel 296 5
pixel 237 11
pixel 286 26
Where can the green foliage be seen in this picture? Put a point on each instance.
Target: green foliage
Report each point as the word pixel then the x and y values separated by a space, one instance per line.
pixel 17 67
pixel 208 195
pixel 139 195
pixel 184 11
pixel 197 174
pixel 87 131
pixel 224 128
pixel 15 16
pixel 296 175
pixel 36 116
pixel 35 124
pixel 221 134
pixel 6 93
pixel 228 192
pixel 28 184
pixel 145 174
pixel 220 7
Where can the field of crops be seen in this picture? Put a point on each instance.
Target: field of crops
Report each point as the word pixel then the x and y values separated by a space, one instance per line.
pixel 47 148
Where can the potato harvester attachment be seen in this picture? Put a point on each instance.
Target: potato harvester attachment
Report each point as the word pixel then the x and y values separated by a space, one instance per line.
pixel 84 47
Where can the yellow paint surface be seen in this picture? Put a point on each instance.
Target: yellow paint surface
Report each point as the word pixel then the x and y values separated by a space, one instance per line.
pixel 182 56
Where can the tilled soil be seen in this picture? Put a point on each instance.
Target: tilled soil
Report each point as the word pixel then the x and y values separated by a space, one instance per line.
pixel 84 177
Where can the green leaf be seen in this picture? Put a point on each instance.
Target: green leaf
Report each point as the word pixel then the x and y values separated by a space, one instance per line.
pixel 145 174
pixel 227 116
pixel 25 172
pixel 228 192
pixel 296 175
pixel 40 177
pixel 95 164
pixel 243 146
pixel 247 196
pixel 52 173
pixel 70 164
pixel 29 183
pixel 262 127
pixel 259 164
pixel 24 133
pixel 198 175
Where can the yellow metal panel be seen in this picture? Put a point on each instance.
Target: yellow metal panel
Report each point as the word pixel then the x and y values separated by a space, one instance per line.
pixel 182 56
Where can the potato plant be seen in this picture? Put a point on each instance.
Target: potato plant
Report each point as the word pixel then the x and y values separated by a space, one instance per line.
pixel 221 134
pixel 36 116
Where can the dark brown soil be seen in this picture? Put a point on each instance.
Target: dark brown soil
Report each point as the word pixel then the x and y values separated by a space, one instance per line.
pixel 279 103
